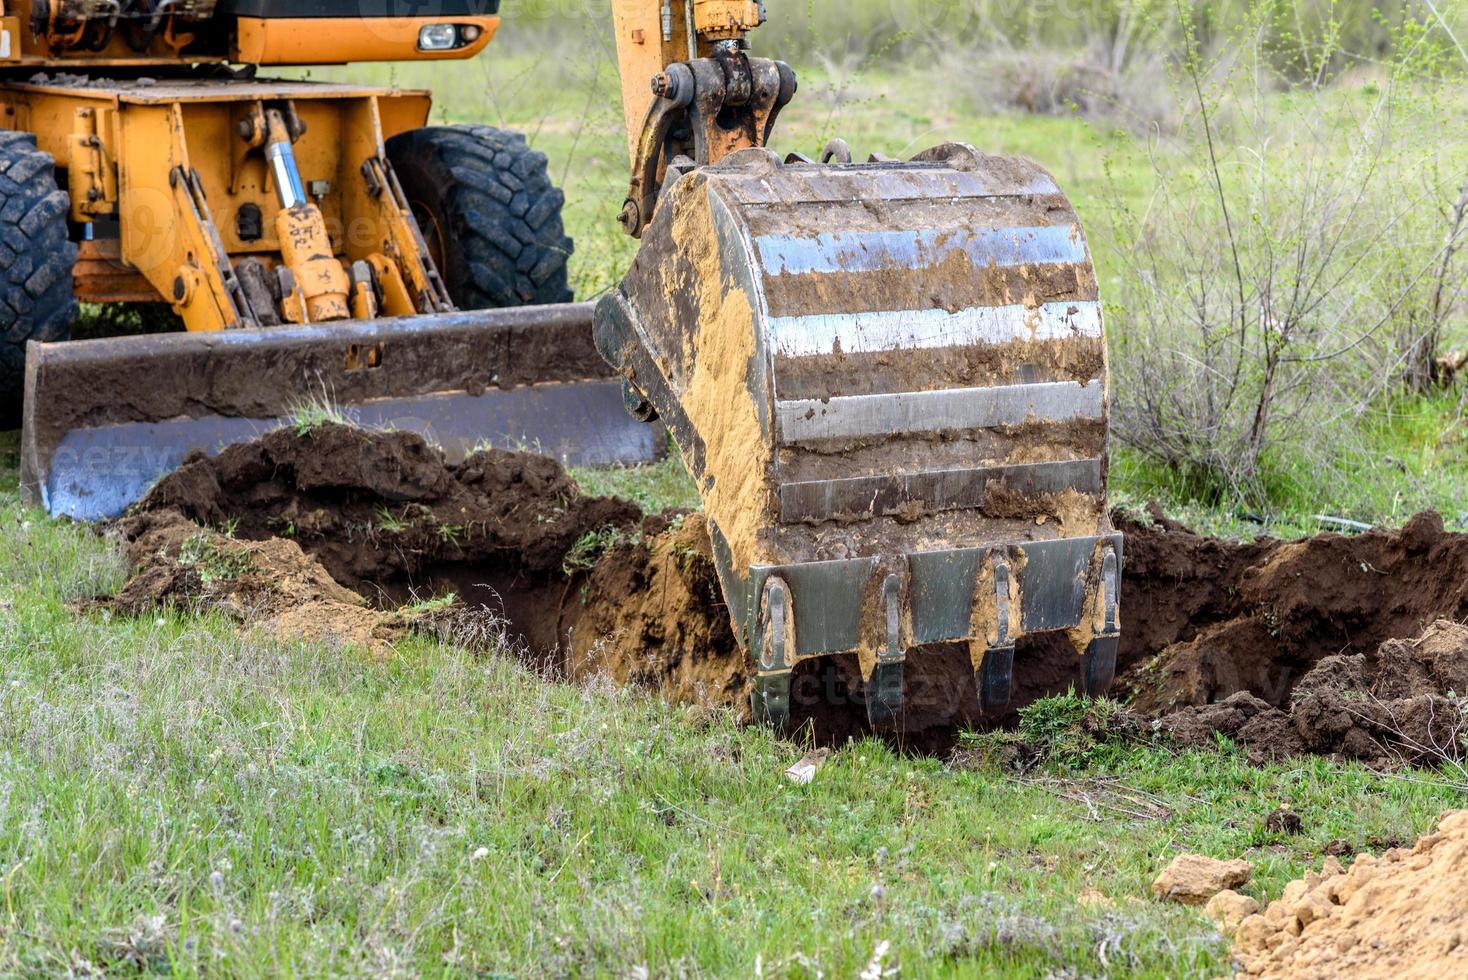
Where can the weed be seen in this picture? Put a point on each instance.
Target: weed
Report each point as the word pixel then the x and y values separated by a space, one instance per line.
pixel 313 413
pixel 420 607
pixel 1067 731
pixel 390 522
pixel 591 546
pixel 214 564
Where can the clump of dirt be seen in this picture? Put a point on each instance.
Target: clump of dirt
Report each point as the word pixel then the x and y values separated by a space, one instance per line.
pixel 383 511
pixel 1206 619
pixel 270 585
pixel 1403 915
pixel 1399 704
pixel 651 613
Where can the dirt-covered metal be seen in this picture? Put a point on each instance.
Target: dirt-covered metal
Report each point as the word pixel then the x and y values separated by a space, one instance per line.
pixel 99 428
pixel 889 380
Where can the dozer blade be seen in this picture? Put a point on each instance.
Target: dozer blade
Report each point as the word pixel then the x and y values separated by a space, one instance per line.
pixel 104 419
pixel 889 380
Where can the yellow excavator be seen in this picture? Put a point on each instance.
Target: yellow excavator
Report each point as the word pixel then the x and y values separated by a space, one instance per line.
pixel 888 377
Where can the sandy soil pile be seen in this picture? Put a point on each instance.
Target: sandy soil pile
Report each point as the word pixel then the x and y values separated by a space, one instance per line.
pixel 1401 916
pixel 270 585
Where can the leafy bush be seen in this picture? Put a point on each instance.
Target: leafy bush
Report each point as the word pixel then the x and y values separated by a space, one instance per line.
pixel 1265 293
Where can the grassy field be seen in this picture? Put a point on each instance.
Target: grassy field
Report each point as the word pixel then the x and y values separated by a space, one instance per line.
pixel 177 799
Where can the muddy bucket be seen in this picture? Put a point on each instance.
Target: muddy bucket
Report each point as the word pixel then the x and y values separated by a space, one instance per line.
pixel 889 380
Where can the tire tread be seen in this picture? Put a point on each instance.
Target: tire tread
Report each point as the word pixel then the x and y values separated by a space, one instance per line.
pixel 37 260
pixel 504 210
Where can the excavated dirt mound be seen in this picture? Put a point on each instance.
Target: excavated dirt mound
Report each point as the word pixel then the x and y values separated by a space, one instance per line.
pixel 1400 917
pixel 1205 619
pixel 651 613
pixel 1330 645
pixel 1399 704
pixel 1219 636
pixel 382 511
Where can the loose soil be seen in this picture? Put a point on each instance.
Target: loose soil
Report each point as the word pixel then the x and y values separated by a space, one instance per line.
pixel 383 512
pixel 1398 705
pixel 1331 645
pixel 1205 618
pixel 269 585
pixel 1326 645
pixel 1403 915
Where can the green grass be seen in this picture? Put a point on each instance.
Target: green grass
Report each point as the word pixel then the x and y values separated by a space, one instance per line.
pixel 1413 454
pixel 176 798
pixel 661 486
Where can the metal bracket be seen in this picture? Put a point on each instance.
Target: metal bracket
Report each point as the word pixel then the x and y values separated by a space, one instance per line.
pixel 704 109
pixel 776 656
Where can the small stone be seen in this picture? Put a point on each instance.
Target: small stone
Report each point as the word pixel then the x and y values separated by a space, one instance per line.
pixel 1193 879
pixel 1229 909
pixel 1312 907
pixel 1294 891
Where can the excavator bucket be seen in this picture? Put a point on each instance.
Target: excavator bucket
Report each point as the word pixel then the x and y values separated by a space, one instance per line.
pixel 889 380
pixel 106 418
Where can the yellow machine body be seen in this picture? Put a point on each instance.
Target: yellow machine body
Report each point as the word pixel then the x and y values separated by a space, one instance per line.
pixel 132 151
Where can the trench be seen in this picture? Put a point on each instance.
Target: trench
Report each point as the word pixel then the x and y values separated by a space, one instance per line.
pixel 592 587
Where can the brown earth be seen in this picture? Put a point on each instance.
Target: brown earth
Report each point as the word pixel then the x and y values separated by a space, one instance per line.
pixel 384 511
pixel 1205 618
pixel 269 585
pixel 1219 636
pixel 1330 645
pixel 650 613
pixel 1401 916
pixel 1399 704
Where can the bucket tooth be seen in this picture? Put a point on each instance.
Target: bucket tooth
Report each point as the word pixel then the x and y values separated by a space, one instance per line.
pixel 776 658
pixel 885 688
pixel 772 699
pixel 1099 666
pixel 996 612
pixel 1099 662
pixel 885 692
pixel 996 679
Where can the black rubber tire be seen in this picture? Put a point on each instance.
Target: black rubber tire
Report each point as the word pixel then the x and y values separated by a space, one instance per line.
pixel 37 257
pixel 489 213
